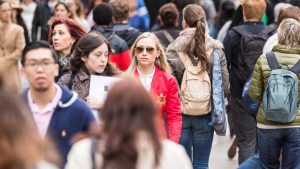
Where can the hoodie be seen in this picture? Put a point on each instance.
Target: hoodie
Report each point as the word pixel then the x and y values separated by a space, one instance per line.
pixel 71 116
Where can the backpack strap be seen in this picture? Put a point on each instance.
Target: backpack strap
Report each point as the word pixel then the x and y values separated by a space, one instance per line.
pixel 168 36
pixel 267 30
pixel 273 63
pixel 182 57
pixel 239 30
pixel 296 68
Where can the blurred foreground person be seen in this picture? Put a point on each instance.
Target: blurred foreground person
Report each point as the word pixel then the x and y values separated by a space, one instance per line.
pixel 129 138
pixel 20 144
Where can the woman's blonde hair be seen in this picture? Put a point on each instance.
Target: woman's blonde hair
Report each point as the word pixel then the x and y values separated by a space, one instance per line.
pixel 160 62
pixel 289 33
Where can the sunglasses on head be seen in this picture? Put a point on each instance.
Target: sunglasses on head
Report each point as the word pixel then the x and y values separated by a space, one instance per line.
pixel 140 49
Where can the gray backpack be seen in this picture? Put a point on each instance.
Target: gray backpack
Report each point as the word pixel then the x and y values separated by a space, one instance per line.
pixel 280 99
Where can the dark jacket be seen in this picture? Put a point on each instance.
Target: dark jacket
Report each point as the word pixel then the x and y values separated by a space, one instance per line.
pixel 41 16
pixel 178 67
pixel 70 117
pixel 171 30
pixel 232 43
pixel 127 33
pixel 261 76
pixel 120 51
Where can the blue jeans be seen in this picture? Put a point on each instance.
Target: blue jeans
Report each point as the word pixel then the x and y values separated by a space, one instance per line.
pixel 251 163
pixel 196 137
pixel 271 141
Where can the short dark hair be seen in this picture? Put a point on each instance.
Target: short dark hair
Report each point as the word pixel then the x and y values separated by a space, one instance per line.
pixel 37 45
pixel 289 12
pixel 168 14
pixel 103 14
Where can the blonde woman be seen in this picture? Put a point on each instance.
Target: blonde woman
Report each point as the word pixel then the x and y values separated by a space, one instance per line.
pixel 149 64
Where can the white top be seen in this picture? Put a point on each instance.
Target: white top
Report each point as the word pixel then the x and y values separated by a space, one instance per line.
pixel 270 43
pixel 28 14
pixel 146 80
pixel 173 156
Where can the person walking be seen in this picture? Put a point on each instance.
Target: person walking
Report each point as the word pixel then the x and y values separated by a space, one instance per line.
pixel 196 47
pixel 150 66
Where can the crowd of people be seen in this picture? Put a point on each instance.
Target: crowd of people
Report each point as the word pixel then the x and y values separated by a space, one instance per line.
pixel 178 63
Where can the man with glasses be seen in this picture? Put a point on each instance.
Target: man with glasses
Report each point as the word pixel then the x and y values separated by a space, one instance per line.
pixel 57 111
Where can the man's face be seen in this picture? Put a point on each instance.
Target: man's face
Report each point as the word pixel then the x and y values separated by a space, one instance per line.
pixel 40 69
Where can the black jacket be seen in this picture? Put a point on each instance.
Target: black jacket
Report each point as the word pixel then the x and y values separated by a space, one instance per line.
pixel 127 33
pixel 117 43
pixel 173 32
pixel 232 50
pixel 41 16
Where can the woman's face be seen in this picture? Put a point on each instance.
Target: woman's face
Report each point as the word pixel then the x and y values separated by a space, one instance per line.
pixel 72 5
pixel 5 12
pixel 97 59
pixel 62 39
pixel 61 12
pixel 146 52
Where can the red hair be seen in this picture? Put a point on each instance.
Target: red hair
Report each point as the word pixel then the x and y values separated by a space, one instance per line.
pixel 75 29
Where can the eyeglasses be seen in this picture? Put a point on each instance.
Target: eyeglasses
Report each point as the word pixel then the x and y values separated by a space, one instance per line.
pixel 46 65
pixel 140 49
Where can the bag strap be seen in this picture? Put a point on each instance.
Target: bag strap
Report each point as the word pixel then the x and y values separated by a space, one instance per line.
pixel 168 36
pixel 296 68
pixel 267 30
pixel 183 57
pixel 70 85
pixel 239 30
pixel 272 61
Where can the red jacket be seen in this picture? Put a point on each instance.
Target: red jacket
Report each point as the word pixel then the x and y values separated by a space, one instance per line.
pixel 164 90
pixel 122 60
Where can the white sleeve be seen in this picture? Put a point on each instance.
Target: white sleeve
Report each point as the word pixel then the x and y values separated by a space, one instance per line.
pixel 79 156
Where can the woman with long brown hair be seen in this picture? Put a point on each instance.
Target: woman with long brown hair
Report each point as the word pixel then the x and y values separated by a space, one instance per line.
pixel 195 48
pixel 129 138
pixel 90 57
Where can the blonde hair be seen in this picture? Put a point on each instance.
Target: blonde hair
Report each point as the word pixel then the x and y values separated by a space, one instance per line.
pixel 160 62
pixel 254 9
pixel 289 33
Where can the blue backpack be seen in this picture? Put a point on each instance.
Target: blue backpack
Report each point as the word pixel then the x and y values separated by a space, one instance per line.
pixel 280 99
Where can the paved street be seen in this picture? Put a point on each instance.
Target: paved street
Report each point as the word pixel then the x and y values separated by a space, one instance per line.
pixel 218 156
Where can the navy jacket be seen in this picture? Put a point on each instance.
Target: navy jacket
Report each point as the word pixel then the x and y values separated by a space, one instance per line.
pixel 232 49
pixel 70 117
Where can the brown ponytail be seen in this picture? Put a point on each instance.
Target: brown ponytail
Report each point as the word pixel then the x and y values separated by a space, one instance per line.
pixel 194 16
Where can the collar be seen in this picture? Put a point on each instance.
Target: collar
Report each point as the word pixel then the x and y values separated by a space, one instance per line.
pixel 253 23
pixel 147 76
pixel 285 49
pixel 188 31
pixel 50 106
pixel 82 75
